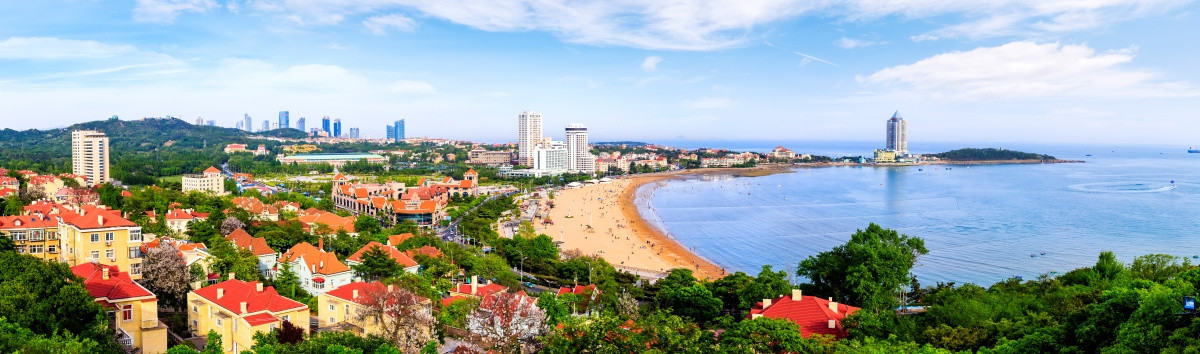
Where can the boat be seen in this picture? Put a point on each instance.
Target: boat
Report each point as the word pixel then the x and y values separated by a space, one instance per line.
pixel 1193 151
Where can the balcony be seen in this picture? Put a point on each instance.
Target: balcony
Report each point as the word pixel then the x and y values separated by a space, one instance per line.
pixel 125 339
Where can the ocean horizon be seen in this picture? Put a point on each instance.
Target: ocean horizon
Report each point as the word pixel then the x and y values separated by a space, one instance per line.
pixel 981 224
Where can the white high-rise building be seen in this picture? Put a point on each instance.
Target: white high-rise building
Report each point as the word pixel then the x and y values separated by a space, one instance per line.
pixel 550 158
pixel 89 156
pixel 529 135
pixel 248 125
pixel 579 154
pixel 897 134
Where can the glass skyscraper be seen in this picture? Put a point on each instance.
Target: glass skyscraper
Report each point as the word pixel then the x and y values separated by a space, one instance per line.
pixel 284 120
pixel 337 127
pixel 325 125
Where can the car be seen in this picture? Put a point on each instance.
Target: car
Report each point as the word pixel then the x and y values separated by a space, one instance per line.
pixel 528 285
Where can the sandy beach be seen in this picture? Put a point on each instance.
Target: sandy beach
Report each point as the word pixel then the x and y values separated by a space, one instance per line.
pixel 603 220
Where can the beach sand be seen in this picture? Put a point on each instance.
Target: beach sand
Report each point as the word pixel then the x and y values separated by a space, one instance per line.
pixel 618 233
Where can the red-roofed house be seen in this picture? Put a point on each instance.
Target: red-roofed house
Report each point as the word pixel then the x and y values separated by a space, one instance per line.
pixel 97 234
pixel 396 240
pixel 346 305
pixel 136 309
pixel 35 235
pixel 587 295
pixel 238 309
pixel 401 258
pixel 429 251
pixel 318 270
pixel 234 148
pixel 313 218
pixel 814 315
pixel 476 290
pixel 267 257
pixel 178 219
pixel 256 208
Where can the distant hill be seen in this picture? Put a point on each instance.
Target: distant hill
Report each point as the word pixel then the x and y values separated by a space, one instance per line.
pixel 990 154
pixel 619 143
pixel 287 133
pixel 139 149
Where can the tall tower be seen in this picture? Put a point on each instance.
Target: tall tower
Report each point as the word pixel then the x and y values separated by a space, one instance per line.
pixel 89 156
pixel 284 120
pixel 266 125
pixel 325 125
pixel 248 125
pixel 529 134
pixel 579 155
pixel 399 130
pixel 897 134
pixel 337 127
pixel 300 124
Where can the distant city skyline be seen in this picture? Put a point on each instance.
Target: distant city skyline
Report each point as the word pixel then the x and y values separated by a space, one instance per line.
pixel 1013 71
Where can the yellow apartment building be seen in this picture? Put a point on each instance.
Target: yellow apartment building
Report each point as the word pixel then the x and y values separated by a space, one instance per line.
pixel 237 310
pixel 96 234
pixel 134 309
pixel 35 235
pixel 343 307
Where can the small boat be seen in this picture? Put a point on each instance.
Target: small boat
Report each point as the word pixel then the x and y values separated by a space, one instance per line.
pixel 1193 151
pixel 1043 253
pixel 1088 155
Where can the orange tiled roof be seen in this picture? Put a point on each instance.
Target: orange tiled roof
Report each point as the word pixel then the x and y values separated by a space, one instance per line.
pixel 320 262
pixel 118 286
pixel 810 312
pixel 396 240
pixel 400 257
pixel 257 245
pixel 212 169
pixel 236 292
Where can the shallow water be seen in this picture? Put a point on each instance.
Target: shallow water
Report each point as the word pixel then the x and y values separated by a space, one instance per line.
pixel 981 224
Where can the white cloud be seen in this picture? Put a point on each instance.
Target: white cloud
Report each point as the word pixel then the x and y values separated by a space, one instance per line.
pixel 56 48
pixel 651 63
pixel 409 87
pixel 165 11
pixel 709 102
pixel 851 43
pixel 1029 70
pixel 379 25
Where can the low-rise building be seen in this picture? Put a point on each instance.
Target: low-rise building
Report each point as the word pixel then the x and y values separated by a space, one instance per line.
pixel 479 156
pixel 403 259
pixel 237 309
pixel 267 257
pixel 256 208
pixel 97 234
pixel 814 315
pixel 178 219
pixel 135 308
pixel 885 156
pixel 210 181
pixel 336 160
pixel 345 307
pixel 235 148
pixel 317 270
pixel 35 235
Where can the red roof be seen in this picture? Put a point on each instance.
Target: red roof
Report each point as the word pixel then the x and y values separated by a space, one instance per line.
pixel 346 292
pixel 184 214
pixel 261 319
pixel 212 169
pixel 403 259
pixel 483 290
pixel 578 290
pixel 451 300
pixel 118 286
pixel 317 261
pixel 425 250
pixel 126 194
pixel 396 240
pixel 237 292
pixel 810 312
pixel 27 222
pixel 243 240
pixel 99 218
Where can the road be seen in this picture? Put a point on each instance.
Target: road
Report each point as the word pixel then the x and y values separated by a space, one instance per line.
pixel 229 174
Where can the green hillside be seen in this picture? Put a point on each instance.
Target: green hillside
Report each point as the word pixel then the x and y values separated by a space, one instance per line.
pixel 989 154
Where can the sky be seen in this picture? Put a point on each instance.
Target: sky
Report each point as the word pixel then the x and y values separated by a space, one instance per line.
pixel 1020 71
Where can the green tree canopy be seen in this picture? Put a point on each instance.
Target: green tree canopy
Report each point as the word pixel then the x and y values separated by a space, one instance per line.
pixel 868 271
pixel 377 264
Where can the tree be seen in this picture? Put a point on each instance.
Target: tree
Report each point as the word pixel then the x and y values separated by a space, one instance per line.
pixel 767 285
pixel 868 271
pixel 288 333
pixel 401 316
pixel 1158 267
pixel 377 264
pixel 507 320
pixel 164 275
pixel 767 335
pixel 47 298
pixel 730 288
pixel 7 245
pixel 694 302
pixel 287 282
pixel 213 343
pixel 367 224
pixel 13 205
pixel 555 310
pixel 1107 267
pixel 230 224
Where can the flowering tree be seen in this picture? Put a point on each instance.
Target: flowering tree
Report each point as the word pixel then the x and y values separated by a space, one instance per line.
pixel 230 224
pixel 507 320
pixel 164 273
pixel 399 315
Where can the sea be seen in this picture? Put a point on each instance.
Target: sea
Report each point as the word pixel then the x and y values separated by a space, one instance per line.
pixel 982 223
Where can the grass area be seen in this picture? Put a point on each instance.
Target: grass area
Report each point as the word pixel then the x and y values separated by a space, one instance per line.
pixel 175 178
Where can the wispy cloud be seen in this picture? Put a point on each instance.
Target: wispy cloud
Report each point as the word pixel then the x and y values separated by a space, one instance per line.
pixel 57 48
pixel 851 43
pixel 379 25
pixel 807 58
pixel 1028 69
pixel 165 11
pixel 651 63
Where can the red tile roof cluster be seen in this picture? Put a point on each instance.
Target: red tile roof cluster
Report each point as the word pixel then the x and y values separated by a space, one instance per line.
pixel 400 257
pixel 313 217
pixel 396 240
pixel 257 245
pixel 254 206
pixel 27 222
pixel 117 286
pixel 5 192
pixel 346 292
pixel 452 299
pixel 235 292
pixel 316 260
pixel 9 181
pixel 578 290
pixel 811 313
pixel 482 290
pixel 430 251
pixel 185 214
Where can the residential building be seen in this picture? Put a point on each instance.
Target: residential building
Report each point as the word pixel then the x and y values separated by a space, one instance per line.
pixel 529 135
pixel 256 208
pixel 897 134
pixel 345 307
pixel 135 309
pixel 192 253
pixel 248 124
pixel 422 204
pixel 885 156
pixel 233 148
pixel 284 120
pixel 552 158
pixel 89 156
pixel 337 128
pixel 326 126
pixel 261 151
pixel 178 219
pixel 97 234
pixel 336 160
pixel 199 121
pixel 579 154
pixel 476 290
pixel 35 235
pixel 403 259
pixel 211 123
pixel 210 181
pixel 300 124
pixel 267 258
pixel 326 223
pixel 782 153
pixel 480 156
pixel 237 309
pixel 318 270
pixel 814 315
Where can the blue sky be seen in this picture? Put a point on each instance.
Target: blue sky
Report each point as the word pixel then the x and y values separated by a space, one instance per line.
pixel 1095 71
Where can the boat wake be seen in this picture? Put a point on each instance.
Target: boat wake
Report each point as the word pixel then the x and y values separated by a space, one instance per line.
pixel 1124 187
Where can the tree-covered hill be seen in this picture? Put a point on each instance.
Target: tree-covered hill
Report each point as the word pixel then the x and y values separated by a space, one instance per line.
pixel 989 154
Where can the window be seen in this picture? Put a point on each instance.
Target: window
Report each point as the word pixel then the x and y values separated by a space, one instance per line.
pixel 219 322
pixel 36 235
pixel 108 237
pixel 135 269
pixel 346 309
pixel 195 309
pixel 20 249
pixel 18 235
pixel 110 254
pixel 95 237
pixel 51 235
pixel 135 252
pixel 272 327
pixel 52 249
pixel 331 321
pixel 35 249
pixel 135 235
pixel 95 255
pixel 331 307
pixel 285 317
pixel 127 313
pixel 195 324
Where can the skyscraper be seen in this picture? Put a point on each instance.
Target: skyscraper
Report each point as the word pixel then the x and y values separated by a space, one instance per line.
pixel 337 127
pixel 897 134
pixel 529 134
pixel 325 125
pixel 199 121
pixel 391 133
pixel 239 126
pixel 249 124
pixel 266 125
pixel 353 133
pixel 398 130
pixel 212 123
pixel 579 154
pixel 300 124
pixel 89 156
pixel 284 120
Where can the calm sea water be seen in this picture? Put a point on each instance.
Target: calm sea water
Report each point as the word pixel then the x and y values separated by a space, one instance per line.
pixel 981 224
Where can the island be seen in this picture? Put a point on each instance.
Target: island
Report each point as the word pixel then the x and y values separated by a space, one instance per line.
pixel 990 154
